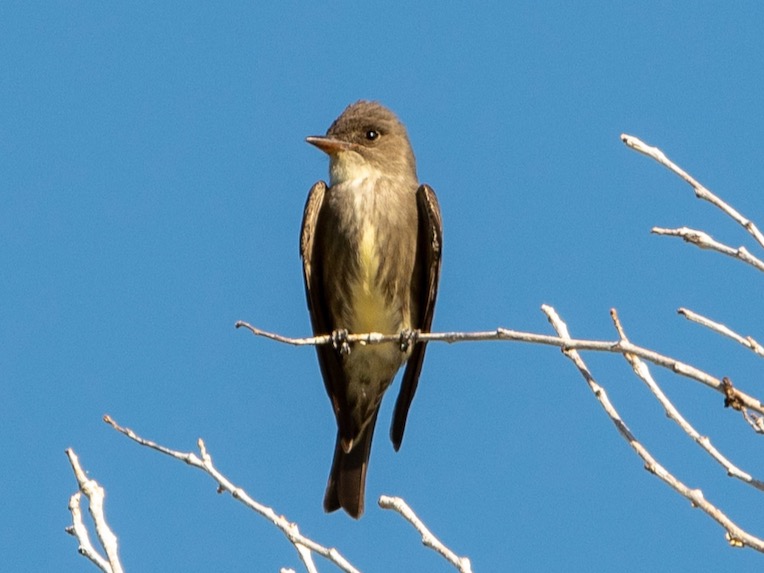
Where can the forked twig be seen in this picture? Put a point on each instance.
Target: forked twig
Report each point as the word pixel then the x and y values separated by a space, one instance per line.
pixel 735 535
pixel 96 496
pixel 701 192
pixel 304 545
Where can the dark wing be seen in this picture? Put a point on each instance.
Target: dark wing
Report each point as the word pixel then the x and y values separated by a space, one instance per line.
pixel 312 269
pixel 424 289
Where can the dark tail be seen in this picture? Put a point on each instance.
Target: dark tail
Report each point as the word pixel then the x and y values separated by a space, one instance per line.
pixel 347 480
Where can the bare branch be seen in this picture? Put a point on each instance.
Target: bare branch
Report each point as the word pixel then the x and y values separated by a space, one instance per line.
pixel 302 544
pixel 700 191
pixel 96 495
pixel 462 564
pixel 616 346
pixel 746 341
pixel 735 535
pixel 643 372
pixel 706 241
pixel 79 530
pixel 756 422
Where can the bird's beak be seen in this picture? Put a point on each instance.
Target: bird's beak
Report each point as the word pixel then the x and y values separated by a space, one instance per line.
pixel 328 145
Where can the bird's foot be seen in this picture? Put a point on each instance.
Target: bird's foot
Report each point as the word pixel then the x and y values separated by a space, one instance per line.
pixel 408 338
pixel 340 341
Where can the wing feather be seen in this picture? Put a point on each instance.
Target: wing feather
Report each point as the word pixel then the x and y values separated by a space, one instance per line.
pixel 424 290
pixel 312 267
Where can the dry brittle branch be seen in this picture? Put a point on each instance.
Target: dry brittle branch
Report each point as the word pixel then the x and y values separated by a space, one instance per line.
pixel 96 495
pixel 701 192
pixel 399 505
pixel 747 341
pixel 615 346
pixel 304 546
pixel 736 535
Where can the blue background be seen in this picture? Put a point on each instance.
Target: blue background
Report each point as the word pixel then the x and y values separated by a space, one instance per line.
pixel 153 172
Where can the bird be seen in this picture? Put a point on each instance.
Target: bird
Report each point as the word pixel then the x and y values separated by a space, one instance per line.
pixel 370 244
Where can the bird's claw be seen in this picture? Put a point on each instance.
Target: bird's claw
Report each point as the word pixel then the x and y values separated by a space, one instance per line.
pixel 340 341
pixel 408 338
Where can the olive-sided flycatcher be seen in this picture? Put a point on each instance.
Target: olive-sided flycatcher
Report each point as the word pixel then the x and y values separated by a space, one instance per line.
pixel 371 248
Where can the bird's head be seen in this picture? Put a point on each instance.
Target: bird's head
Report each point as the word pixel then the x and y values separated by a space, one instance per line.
pixel 367 140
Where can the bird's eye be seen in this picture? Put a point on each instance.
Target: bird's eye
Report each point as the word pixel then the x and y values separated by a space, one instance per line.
pixel 372 134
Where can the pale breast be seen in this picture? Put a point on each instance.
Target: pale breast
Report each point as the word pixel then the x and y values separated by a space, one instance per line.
pixel 372 230
pixel 370 309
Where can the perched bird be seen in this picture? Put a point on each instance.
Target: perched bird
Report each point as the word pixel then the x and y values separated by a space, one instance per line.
pixel 371 249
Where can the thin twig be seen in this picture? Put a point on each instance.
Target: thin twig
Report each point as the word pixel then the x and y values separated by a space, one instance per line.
pixel 615 346
pixel 397 504
pixel 706 241
pixel 643 373
pixel 756 422
pixel 736 536
pixel 746 341
pixel 80 531
pixel 302 544
pixel 700 191
pixel 96 495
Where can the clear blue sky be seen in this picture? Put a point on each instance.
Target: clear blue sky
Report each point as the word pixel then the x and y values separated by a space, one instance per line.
pixel 153 172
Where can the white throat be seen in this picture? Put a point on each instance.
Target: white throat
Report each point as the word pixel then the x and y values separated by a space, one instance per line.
pixel 350 168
